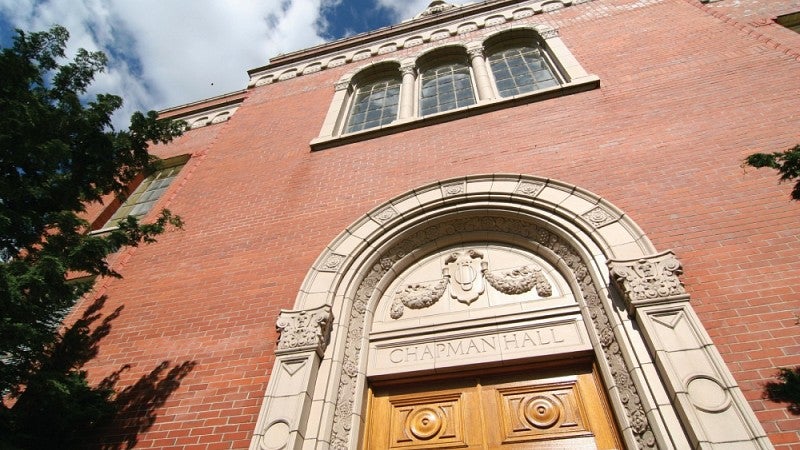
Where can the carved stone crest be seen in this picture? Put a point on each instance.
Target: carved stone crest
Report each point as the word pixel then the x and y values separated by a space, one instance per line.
pixel 465 275
pixel 304 330
pixel 467 282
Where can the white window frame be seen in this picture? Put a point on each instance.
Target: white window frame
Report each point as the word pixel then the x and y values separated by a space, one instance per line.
pixel 177 161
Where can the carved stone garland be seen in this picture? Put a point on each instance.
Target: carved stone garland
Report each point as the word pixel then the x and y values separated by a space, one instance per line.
pixel 467 283
pixel 346 394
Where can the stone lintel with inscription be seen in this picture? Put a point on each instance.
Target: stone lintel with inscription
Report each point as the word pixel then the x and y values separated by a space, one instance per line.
pixel 502 344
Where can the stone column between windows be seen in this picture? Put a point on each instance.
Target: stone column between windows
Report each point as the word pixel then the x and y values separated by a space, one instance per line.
pixel 485 91
pixel 407 91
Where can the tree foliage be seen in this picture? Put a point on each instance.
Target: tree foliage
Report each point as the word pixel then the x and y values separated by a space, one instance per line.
pixel 787 163
pixel 787 387
pixel 59 152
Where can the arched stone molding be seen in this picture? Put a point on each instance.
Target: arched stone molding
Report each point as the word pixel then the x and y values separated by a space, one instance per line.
pixel 667 385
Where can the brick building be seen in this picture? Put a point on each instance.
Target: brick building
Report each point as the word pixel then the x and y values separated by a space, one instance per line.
pixel 513 224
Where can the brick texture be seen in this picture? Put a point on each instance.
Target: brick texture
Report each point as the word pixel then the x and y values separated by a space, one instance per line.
pixel 687 91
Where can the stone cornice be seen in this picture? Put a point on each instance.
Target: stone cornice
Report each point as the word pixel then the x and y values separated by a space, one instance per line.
pixel 206 112
pixel 446 24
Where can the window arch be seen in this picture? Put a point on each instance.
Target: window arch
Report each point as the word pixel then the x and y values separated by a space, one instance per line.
pixel 519 64
pixel 445 82
pixel 375 99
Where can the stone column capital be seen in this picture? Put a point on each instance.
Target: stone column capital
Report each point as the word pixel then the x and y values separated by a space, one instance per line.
pixel 546 31
pixel 408 69
pixel 342 85
pixel 650 280
pixel 303 331
pixel 475 50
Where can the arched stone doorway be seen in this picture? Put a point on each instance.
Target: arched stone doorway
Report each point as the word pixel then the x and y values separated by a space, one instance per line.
pixel 617 301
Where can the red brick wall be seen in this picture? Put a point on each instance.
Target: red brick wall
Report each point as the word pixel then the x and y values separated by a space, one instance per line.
pixel 684 97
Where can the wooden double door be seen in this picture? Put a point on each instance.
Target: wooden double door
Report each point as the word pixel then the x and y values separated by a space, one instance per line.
pixel 530 409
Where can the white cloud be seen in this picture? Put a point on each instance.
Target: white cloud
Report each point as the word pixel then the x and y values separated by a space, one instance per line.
pixel 166 53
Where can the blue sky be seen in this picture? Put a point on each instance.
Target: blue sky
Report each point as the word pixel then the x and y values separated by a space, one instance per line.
pixel 166 53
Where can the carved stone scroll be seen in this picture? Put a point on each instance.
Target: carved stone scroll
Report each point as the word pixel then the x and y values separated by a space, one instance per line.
pixel 304 330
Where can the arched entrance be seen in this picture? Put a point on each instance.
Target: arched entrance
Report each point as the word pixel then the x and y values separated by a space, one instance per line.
pixel 497 271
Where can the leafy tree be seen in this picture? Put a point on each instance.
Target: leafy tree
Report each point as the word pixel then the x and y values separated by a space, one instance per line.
pixel 787 388
pixel 59 152
pixel 787 163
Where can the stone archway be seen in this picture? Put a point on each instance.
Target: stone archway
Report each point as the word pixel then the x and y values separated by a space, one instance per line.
pixel 668 387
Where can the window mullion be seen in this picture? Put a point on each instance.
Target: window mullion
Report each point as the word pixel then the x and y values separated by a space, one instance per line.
pixel 484 84
pixel 407 91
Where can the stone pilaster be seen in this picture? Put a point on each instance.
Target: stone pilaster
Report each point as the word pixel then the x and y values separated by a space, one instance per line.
pixel 709 404
pixel 283 419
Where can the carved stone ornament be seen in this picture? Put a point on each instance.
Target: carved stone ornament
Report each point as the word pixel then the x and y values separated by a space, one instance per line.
pixel 495 20
pixel 408 69
pixel 436 7
pixel 466 274
pixel 304 330
pixel 341 436
pixel 598 217
pixel 520 281
pixel 530 189
pixel 388 48
pixel 342 85
pixel 651 280
pixel 548 33
pixel 459 27
pixel 264 80
pixel 413 42
pixel 332 262
pixel 417 296
pixel 453 189
pixel 385 215
pixel 475 52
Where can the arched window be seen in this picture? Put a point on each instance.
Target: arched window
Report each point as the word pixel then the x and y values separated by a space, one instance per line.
pixel 520 66
pixel 374 103
pixel 509 67
pixel 444 87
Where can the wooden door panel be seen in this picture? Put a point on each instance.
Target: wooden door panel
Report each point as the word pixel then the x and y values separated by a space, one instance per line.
pixel 438 420
pixel 503 412
pixel 534 412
